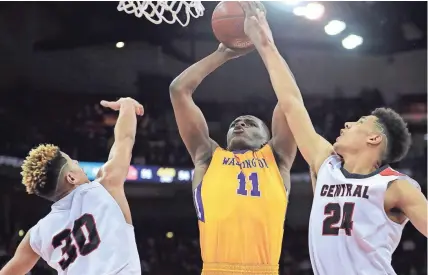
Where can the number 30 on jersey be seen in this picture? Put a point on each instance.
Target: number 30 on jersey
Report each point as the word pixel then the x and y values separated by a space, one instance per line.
pixel 85 244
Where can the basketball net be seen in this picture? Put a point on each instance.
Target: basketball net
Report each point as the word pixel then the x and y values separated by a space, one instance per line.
pixel 154 11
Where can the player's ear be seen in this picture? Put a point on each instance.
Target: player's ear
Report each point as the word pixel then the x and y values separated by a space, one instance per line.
pixel 71 178
pixel 374 139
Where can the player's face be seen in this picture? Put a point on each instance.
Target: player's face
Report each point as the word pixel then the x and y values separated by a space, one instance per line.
pixel 75 174
pixel 246 133
pixel 357 135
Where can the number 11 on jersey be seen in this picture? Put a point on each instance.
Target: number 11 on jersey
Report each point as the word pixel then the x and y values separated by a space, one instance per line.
pixel 242 188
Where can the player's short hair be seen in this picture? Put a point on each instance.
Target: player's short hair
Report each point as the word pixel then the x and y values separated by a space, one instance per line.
pixel 396 132
pixel 41 169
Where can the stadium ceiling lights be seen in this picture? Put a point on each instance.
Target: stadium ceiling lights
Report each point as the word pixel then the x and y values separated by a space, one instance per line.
pixel 311 11
pixel 352 41
pixel 120 45
pixel 334 27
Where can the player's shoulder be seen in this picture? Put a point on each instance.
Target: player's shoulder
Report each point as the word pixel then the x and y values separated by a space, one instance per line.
pixel 94 191
pixel 395 177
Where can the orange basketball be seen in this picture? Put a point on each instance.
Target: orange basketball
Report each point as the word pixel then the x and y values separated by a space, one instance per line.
pixel 228 25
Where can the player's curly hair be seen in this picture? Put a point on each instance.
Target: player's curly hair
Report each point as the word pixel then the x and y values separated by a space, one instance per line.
pixel 396 132
pixel 41 169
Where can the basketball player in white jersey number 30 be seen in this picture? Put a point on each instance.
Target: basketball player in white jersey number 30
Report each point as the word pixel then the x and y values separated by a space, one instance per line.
pixel 89 229
pixel 360 204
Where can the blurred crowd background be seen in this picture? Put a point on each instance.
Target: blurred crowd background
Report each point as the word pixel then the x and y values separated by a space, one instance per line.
pixel 56 69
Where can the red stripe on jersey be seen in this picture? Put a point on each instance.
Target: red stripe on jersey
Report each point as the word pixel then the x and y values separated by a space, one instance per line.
pixel 390 172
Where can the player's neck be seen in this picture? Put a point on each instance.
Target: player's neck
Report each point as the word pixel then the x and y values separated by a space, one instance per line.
pixel 362 164
pixel 62 193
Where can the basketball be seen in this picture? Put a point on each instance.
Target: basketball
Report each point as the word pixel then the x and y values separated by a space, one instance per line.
pixel 228 25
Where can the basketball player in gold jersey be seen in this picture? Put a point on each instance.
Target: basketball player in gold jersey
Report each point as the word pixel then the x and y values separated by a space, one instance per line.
pixel 240 192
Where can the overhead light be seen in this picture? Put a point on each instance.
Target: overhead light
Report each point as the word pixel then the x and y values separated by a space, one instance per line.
pixel 352 41
pixel 120 45
pixel 299 11
pixel 334 27
pixel 314 11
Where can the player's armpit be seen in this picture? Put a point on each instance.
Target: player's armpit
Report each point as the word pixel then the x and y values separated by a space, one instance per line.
pixel 23 260
pixel 411 202
pixel 283 141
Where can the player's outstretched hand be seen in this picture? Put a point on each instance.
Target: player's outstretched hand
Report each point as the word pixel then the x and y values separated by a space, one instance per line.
pixel 233 53
pixel 115 105
pixel 256 26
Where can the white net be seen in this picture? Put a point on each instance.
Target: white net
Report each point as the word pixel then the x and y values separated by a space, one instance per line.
pixel 163 11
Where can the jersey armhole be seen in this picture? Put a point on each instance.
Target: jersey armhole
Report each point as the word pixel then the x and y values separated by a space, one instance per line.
pixel 31 235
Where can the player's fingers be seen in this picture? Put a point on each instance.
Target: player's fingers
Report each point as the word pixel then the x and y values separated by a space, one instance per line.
pixel 261 16
pixel 105 103
pixel 246 7
pixel 255 19
pixel 110 104
pixel 253 7
pixel 140 110
pixel 260 6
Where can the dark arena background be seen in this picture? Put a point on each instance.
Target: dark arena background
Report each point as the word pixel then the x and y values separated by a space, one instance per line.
pixel 59 59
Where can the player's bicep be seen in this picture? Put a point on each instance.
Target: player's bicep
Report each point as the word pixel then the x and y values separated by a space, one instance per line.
pixel 313 147
pixel 283 141
pixel 23 260
pixel 192 125
pixel 412 203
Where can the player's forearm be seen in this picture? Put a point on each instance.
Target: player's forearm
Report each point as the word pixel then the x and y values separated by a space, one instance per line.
pixel 313 147
pixel 11 268
pixel 189 80
pixel 126 125
pixel 15 267
pixel 282 79
pixel 116 168
pixel 125 130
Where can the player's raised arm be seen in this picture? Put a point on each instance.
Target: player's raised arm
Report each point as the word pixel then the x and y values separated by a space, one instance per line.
pixel 114 171
pixel 191 122
pixel 314 148
pixel 23 260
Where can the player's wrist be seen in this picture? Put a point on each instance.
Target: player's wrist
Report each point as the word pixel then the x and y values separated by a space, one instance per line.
pixel 126 104
pixel 265 49
pixel 223 54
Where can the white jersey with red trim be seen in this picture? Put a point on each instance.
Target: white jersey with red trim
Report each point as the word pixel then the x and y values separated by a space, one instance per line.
pixel 349 230
pixel 86 233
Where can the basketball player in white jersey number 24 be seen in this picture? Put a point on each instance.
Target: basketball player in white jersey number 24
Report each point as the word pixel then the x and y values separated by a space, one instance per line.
pixel 89 229
pixel 360 204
